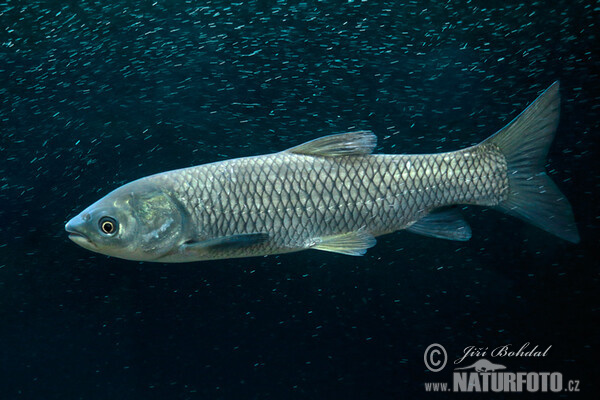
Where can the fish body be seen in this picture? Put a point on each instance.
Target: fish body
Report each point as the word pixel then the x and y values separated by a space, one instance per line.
pixel 329 194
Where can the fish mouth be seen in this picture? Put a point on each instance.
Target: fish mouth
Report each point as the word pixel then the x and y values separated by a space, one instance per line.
pixel 79 238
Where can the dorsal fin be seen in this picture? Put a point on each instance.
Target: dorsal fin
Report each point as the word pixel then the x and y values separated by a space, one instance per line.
pixel 343 144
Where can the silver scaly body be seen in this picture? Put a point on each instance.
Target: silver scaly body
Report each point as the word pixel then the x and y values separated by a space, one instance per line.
pixel 298 199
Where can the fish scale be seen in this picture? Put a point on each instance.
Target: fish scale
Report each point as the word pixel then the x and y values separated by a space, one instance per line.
pixel 297 198
pixel 330 194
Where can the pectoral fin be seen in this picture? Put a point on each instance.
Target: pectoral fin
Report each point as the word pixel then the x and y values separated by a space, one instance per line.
pixel 343 144
pixel 226 242
pixel 351 243
pixel 444 224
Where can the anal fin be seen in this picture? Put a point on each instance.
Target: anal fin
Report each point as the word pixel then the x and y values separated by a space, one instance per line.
pixel 352 243
pixel 443 224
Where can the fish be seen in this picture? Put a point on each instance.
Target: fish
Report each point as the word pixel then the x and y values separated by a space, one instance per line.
pixel 331 194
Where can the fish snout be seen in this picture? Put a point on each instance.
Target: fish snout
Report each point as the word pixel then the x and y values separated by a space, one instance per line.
pixel 76 228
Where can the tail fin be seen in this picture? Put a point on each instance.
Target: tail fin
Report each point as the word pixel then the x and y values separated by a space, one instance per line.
pixel 525 142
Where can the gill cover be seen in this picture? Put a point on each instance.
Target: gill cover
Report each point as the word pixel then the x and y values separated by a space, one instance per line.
pixel 159 222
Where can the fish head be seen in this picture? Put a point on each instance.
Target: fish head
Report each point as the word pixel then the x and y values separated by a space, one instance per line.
pixel 134 222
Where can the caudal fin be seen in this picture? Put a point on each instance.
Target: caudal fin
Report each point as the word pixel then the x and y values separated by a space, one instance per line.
pixel 525 142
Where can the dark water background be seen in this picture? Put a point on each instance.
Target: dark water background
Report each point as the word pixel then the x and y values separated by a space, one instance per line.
pixel 95 94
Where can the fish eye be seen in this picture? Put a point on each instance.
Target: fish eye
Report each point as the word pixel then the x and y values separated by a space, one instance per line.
pixel 108 225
